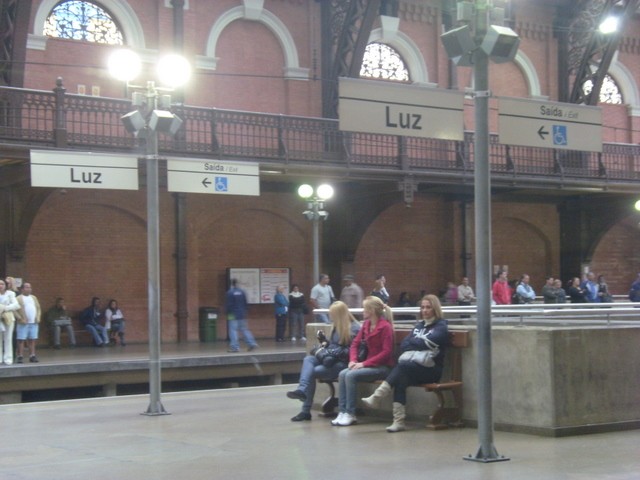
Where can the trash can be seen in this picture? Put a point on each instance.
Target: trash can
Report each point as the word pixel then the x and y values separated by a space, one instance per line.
pixel 208 323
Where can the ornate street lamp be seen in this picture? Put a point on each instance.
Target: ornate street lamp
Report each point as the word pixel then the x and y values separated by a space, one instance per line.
pixel 315 212
pixel 147 121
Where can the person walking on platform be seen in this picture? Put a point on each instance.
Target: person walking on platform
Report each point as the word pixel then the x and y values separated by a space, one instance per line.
pixel 236 307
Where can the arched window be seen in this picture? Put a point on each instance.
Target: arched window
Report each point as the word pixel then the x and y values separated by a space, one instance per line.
pixel 383 62
pixel 609 93
pixel 77 20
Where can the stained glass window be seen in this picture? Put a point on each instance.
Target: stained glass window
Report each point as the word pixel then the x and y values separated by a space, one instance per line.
pixel 86 21
pixel 609 93
pixel 383 62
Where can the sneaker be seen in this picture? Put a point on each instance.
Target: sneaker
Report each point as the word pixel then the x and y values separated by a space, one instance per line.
pixel 252 347
pixel 293 339
pixel 303 339
pixel 18 360
pixel 336 421
pixel 302 416
pixel 347 419
pixel 231 350
pixel 56 347
pixel 297 395
pixel 33 359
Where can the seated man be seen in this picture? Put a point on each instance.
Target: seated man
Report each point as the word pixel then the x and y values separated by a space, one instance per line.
pixel 91 318
pixel 57 319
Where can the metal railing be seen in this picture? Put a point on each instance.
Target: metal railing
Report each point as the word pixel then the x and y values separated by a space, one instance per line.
pixel 60 120
pixel 549 314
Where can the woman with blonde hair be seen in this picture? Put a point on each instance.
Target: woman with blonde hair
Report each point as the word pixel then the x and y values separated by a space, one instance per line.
pixel 328 358
pixel 429 334
pixel 368 364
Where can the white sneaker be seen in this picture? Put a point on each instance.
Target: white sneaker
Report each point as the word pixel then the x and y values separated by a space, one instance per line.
pixel 347 419
pixel 293 339
pixel 336 421
pixel 303 339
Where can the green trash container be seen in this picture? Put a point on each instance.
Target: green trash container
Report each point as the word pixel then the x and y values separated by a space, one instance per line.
pixel 208 323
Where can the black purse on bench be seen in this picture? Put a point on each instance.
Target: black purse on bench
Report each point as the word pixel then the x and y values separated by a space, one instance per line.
pixel 363 349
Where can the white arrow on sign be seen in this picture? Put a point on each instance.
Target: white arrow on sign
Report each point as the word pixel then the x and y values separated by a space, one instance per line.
pixel 69 169
pixel 210 176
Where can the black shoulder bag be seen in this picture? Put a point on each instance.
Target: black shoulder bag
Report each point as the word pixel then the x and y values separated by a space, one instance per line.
pixel 363 349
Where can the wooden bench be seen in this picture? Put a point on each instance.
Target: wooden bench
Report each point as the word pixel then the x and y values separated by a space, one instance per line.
pixel 444 416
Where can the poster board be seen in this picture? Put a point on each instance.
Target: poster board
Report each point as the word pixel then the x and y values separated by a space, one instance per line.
pixel 260 283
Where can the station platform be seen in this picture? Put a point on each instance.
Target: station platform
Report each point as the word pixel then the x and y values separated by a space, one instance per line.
pixel 246 433
pixel 91 371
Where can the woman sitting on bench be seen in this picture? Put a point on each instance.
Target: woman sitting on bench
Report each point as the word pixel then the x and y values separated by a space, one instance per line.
pixel 369 364
pixel 430 334
pixel 330 357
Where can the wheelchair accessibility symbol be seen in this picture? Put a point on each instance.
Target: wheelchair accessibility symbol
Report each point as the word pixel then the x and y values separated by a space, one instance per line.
pixel 221 184
pixel 559 135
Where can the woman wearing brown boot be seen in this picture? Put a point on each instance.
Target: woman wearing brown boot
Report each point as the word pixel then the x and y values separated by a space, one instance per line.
pixel 424 347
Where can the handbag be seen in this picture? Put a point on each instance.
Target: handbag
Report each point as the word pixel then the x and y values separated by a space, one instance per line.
pixel 363 349
pixel 425 358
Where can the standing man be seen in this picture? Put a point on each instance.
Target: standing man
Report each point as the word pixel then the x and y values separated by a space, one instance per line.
pixel 383 288
pixel 351 293
pixel 501 290
pixel 549 291
pixel 236 307
pixel 91 318
pixel 590 286
pixel 322 297
pixel 524 290
pixel 465 293
pixel 57 317
pixel 9 306
pixel 27 329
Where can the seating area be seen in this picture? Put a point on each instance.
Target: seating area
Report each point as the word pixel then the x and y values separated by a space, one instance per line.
pixel 448 413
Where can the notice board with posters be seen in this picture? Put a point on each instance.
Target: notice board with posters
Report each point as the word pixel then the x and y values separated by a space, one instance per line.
pixel 260 283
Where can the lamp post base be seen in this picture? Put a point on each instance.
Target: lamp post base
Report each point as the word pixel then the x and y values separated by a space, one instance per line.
pixel 155 410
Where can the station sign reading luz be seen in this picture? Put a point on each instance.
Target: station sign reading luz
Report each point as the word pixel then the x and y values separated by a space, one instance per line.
pixel 407 110
pixel 211 176
pixel 535 123
pixel 83 170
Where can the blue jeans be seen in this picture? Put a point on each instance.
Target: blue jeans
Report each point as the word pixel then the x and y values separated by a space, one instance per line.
pixel 311 370
pixel 296 323
pixel 322 318
pixel 98 332
pixel 348 388
pixel 234 326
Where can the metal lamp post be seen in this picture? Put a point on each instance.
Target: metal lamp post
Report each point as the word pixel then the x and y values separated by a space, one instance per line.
pixel 473 44
pixel 147 122
pixel 315 212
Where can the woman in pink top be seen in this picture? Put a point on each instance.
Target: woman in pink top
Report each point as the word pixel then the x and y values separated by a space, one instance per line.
pixel 377 332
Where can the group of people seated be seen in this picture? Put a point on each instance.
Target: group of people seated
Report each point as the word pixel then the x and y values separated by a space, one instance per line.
pixel 105 326
pixel 356 352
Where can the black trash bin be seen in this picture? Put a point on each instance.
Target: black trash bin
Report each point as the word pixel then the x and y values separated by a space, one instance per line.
pixel 208 323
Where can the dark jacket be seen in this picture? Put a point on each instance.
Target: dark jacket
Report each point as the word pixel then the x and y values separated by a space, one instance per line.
pixel 437 332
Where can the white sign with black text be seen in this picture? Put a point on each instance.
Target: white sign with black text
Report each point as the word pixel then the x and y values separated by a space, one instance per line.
pixel 68 169
pixel 407 110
